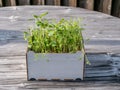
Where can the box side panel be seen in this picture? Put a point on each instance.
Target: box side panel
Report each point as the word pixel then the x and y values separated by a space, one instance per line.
pixel 59 66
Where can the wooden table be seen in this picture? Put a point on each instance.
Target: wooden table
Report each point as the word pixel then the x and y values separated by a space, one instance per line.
pixel 103 49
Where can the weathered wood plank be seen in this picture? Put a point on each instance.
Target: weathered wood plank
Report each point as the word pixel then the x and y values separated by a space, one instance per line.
pixel 0 3
pixel 107 4
pixel 64 2
pixel 38 2
pixel 73 3
pixel 23 2
pixel 80 3
pixel 103 65
pixel 100 5
pixel 57 2
pixel 13 2
pixel 70 86
pixel 99 28
pixel 6 2
pixel 103 6
pixel 116 8
pixel 49 2
pixel 88 4
pixel 41 2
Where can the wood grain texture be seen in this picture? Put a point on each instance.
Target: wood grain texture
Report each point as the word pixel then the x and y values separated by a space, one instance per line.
pixel 107 4
pixel 103 6
pixel 13 2
pixel 38 2
pixel 57 2
pixel 0 3
pixel 23 2
pixel 73 3
pixel 89 4
pixel 49 2
pixel 103 49
pixel 41 2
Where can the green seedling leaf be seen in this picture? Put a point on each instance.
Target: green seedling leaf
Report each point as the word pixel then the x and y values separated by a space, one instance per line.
pixel 53 36
pixel 50 33
pixel 35 16
pixel 43 14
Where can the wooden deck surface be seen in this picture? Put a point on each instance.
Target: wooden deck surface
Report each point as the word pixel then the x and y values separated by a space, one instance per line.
pixel 103 49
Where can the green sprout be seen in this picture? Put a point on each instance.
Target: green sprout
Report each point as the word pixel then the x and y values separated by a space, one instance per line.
pixel 52 36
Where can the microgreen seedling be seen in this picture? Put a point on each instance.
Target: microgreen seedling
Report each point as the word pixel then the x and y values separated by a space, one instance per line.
pixel 50 36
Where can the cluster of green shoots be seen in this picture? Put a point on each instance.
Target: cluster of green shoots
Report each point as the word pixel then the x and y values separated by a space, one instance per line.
pixel 52 36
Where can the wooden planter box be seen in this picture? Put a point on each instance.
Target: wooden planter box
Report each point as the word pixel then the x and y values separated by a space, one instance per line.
pixel 55 66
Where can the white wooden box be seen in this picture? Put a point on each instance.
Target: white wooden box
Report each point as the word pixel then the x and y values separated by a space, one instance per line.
pixel 63 66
